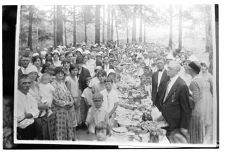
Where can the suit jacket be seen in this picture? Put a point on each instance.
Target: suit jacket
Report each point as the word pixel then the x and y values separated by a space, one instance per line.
pixel 157 96
pixel 99 63
pixel 83 78
pixel 176 109
pixel 20 72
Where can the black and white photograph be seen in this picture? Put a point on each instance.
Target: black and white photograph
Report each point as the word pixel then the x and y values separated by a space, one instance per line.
pixel 142 75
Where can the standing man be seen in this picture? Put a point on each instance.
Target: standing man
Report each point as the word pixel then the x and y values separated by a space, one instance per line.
pixel 175 105
pixel 106 65
pixel 159 82
pixel 83 75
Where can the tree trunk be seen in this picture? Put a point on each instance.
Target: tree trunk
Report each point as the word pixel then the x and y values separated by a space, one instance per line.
pixel 59 28
pixel 30 27
pixel 208 32
pixel 127 31
pixel 180 28
pixel 144 32
pixel 54 37
pixel 97 24
pixel 85 10
pixel 208 28
pixel 64 21
pixel 171 28
pixel 74 26
pixel 140 34
pixel 117 33
pixel 85 32
pixel 112 15
pixel 108 23
pixel 65 33
pixel 134 25
pixel 103 25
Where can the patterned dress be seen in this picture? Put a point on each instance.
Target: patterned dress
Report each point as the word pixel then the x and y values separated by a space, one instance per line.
pixel 63 119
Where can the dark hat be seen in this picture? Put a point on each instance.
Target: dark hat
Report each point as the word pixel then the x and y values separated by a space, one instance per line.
pixel 195 67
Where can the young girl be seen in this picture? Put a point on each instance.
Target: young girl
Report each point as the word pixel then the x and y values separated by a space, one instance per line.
pixel 46 92
pixel 73 86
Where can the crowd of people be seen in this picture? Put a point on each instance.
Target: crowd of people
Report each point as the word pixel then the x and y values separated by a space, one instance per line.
pixel 64 89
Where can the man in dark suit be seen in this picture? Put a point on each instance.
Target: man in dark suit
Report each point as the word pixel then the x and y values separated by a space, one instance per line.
pixel 83 74
pixel 175 105
pixel 106 64
pixel 99 60
pixel 159 82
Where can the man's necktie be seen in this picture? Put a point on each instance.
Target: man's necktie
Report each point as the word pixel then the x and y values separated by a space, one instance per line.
pixel 167 91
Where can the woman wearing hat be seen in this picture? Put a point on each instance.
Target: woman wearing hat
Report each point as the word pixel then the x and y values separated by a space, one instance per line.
pixel 56 61
pixel 41 122
pixel 201 114
pixel 63 122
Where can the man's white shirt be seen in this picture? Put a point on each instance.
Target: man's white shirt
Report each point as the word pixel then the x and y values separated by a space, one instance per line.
pixel 26 104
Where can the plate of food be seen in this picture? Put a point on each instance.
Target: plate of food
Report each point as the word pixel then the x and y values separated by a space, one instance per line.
pixel 120 129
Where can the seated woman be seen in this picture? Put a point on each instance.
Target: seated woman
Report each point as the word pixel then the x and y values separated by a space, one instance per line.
pixel 63 120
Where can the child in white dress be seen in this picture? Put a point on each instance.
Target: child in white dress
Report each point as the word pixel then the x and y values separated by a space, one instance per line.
pixel 46 92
